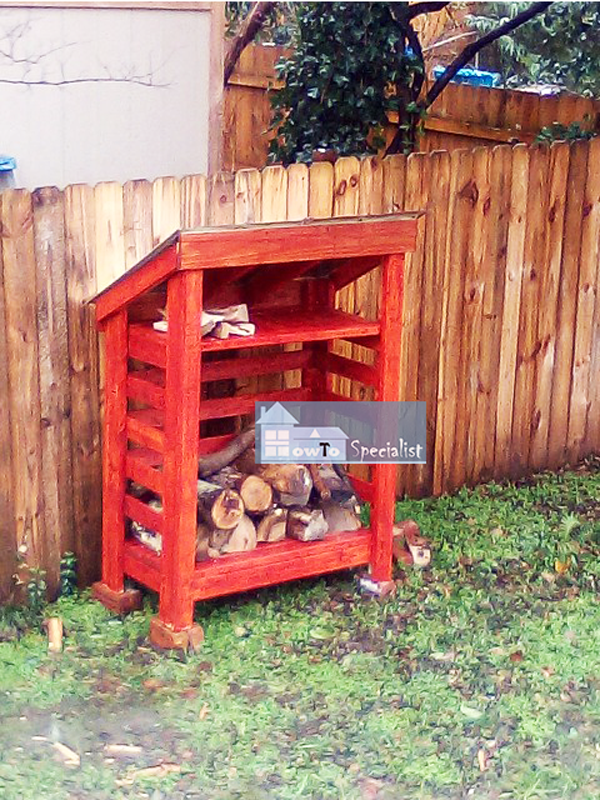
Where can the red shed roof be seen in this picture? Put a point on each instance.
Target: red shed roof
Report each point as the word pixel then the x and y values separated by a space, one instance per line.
pixel 323 242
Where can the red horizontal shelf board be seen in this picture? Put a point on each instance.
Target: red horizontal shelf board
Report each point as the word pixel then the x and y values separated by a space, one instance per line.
pixel 141 564
pixel 142 513
pixel 282 561
pixel 281 326
pixel 268 565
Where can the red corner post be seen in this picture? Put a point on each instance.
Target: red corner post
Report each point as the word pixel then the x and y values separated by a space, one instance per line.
pixel 180 469
pixel 110 591
pixel 388 386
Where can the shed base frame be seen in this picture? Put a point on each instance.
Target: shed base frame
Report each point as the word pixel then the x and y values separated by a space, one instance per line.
pixel 164 636
pixel 120 602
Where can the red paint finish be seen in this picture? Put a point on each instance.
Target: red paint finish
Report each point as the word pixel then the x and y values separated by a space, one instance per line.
pixel 153 413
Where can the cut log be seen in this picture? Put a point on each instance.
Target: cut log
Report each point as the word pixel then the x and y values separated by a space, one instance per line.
pixel 291 481
pixel 227 510
pixel 216 461
pixel 307 525
pixel 321 487
pixel 334 479
pixel 272 527
pixel 218 538
pixel 227 478
pixel 339 518
pixel 256 493
pixel 243 537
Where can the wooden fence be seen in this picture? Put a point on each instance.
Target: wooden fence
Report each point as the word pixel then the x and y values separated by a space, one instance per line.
pixel 502 316
pixel 462 117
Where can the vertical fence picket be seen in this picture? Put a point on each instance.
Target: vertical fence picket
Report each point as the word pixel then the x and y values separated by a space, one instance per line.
pixel 345 204
pixel 23 373
pixel 524 415
pixel 297 194
pixel 247 196
pixel 563 365
pixel 194 195
pixel 394 172
pixel 84 362
pixel 451 422
pixel 137 220
pixel 110 235
pixel 511 308
pixel 549 287
pixel 416 196
pixel 321 182
pixel 431 311
pixel 221 199
pixel 8 533
pixel 166 208
pixel 55 395
pixel 585 383
pixel 494 269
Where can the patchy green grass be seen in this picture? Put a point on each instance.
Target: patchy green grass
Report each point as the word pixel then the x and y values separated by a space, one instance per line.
pixel 481 678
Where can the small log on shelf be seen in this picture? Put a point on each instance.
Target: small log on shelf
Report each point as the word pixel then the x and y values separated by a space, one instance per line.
pixel 272 527
pixel 291 481
pixel 340 518
pixel 227 509
pixel 216 461
pixel 243 537
pixel 321 487
pixel 217 507
pixel 306 524
pixel 256 493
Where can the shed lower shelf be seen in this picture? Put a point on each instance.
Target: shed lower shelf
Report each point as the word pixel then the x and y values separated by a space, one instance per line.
pixel 269 564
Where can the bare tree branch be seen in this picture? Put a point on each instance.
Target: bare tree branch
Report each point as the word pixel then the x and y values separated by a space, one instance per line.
pixel 248 30
pixel 138 81
pixel 416 9
pixel 473 48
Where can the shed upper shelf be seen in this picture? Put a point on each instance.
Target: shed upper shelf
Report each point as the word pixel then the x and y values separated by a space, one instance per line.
pixel 276 326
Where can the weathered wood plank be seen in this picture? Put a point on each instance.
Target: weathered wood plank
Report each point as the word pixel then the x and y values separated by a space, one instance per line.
pixel 247 188
pixel 84 366
pixel 515 247
pixel 137 220
pixel 20 285
pixel 320 190
pixel 567 305
pixel 55 394
pixel 494 270
pixel 547 301
pixel 166 208
pixel 524 417
pixel 585 383
pixel 8 533
pixel 109 232
pixel 194 201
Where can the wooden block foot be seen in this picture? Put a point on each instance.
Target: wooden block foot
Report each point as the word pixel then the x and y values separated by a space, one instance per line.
pixel 377 588
pixel 163 635
pixel 119 602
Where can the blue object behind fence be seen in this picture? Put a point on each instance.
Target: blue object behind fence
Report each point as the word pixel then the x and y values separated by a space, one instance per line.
pixel 474 77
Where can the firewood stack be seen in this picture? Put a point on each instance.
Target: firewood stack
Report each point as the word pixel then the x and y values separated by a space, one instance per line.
pixel 242 503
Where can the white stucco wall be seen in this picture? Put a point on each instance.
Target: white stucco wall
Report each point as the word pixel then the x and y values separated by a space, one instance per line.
pixel 105 130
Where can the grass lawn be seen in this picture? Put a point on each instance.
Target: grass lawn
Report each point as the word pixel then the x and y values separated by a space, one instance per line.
pixel 481 678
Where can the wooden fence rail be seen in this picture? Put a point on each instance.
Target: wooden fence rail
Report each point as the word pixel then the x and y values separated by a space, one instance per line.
pixel 502 317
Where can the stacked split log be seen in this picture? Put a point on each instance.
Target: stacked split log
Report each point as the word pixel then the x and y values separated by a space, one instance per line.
pixel 242 503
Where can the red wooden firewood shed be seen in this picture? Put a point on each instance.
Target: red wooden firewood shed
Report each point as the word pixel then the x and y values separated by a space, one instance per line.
pixel 155 411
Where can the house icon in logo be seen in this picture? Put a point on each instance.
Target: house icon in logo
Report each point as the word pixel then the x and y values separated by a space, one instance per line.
pixel 283 440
